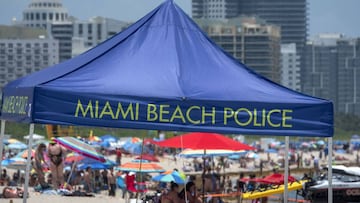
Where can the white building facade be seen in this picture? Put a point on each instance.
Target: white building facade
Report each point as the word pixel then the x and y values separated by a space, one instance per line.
pixel 290 67
pixel 20 57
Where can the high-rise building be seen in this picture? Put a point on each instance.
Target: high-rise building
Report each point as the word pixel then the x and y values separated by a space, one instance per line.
pixel 348 76
pixel 319 76
pixel 332 64
pixel 52 16
pixel 89 33
pixel 290 67
pixel 250 41
pixel 25 50
pixel 290 15
pixel 215 9
pixel 40 13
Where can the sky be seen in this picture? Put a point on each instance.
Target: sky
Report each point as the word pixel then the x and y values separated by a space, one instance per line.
pixel 325 16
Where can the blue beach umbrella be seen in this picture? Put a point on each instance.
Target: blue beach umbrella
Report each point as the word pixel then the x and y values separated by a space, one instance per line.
pixel 108 138
pixel 14 163
pixel 17 145
pixel 170 177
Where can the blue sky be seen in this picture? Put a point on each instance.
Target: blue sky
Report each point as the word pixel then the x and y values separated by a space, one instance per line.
pixel 325 16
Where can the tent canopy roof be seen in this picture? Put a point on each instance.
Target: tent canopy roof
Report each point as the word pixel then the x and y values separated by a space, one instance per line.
pixel 162 58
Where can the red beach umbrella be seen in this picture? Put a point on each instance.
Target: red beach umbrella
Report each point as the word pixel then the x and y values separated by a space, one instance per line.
pixel 199 140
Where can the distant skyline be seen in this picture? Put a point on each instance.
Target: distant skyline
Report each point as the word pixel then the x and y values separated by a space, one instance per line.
pixel 325 16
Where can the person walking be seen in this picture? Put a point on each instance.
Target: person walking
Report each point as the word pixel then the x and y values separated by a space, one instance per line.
pixel 112 182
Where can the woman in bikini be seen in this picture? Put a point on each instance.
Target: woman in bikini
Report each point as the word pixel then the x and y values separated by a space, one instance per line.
pixel 55 153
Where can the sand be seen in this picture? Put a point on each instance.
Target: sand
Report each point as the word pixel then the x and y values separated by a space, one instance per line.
pixel 167 163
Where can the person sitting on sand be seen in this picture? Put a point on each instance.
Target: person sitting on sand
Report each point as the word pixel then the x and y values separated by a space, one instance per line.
pixel 12 192
pixel 4 178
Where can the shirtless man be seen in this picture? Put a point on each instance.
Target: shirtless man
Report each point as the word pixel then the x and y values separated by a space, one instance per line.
pixel 88 180
pixel 55 153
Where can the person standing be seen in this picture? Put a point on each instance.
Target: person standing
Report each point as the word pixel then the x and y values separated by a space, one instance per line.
pixel 55 153
pixel 118 156
pixel 38 164
pixel 88 180
pixel 112 182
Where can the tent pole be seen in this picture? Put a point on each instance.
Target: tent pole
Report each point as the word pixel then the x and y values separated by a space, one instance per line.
pixel 330 152
pixel 286 169
pixel 203 177
pixel 2 136
pixel 28 162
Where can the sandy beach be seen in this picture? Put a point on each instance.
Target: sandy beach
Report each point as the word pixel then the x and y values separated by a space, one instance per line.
pixel 168 163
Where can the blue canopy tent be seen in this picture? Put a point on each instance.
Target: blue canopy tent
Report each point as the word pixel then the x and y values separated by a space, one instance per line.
pixel 164 73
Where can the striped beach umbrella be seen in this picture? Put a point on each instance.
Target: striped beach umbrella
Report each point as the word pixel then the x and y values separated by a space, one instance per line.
pixel 141 167
pixel 80 147
pixel 24 154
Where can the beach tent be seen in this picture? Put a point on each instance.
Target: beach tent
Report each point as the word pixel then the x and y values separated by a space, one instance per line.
pixel 163 73
pixel 35 137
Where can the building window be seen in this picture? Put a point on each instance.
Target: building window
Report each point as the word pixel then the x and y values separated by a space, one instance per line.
pixel 37 16
pixel 50 16
pixel 99 26
pixel 80 29
pixel 44 16
pixel 57 16
pixel 90 28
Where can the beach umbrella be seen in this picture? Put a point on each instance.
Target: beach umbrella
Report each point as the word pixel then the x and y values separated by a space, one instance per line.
pixel 10 141
pixel 320 142
pixel 80 147
pixel 94 139
pixel 174 176
pixel 340 151
pixel 73 157
pixel 148 157
pixel 35 137
pixel 191 153
pixel 17 163
pixel 271 151
pixel 141 167
pixel 24 154
pixel 108 138
pixel 17 145
pixel 140 160
pixel 7 162
pixel 203 141
pixel 133 148
pixel 134 140
pixel 252 155
pixel 95 165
